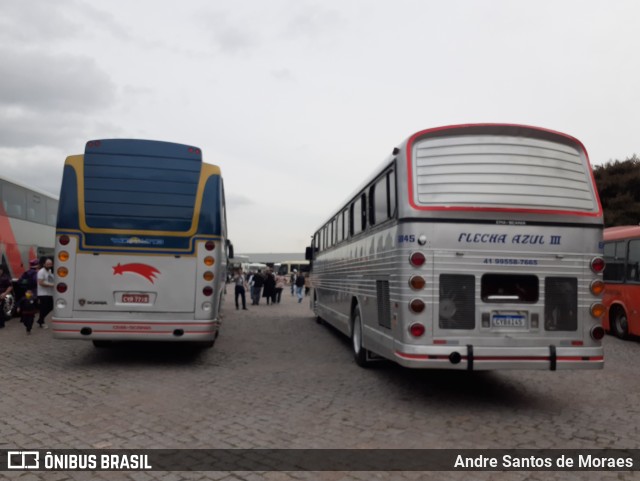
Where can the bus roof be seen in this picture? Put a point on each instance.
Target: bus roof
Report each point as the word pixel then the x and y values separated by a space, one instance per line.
pixel 621 232
pixel 25 186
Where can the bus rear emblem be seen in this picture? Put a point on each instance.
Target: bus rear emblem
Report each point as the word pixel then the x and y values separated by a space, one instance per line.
pixel 146 271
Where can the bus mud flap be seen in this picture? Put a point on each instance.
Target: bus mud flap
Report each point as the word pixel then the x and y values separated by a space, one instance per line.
pixel 469 357
pixel 553 358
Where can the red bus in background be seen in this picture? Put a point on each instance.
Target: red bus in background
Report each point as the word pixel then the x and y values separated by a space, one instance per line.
pixel 622 279
pixel 27 225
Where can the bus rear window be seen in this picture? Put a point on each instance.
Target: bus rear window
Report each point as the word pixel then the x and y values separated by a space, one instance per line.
pixel 509 288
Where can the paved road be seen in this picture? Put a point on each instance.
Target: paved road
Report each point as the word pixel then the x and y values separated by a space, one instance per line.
pixel 277 379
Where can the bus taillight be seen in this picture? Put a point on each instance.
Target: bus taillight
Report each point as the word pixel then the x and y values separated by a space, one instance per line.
pixel 597 265
pixel 417 282
pixel 208 276
pixel 209 261
pixel 62 272
pixel 416 329
pixel 61 287
pixel 597 287
pixel 416 306
pixel 63 256
pixel 210 245
pixel 597 333
pixel 63 239
pixel 597 309
pixel 417 259
pixel 207 291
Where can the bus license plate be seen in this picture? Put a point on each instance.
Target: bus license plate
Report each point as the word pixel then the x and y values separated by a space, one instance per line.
pixel 135 298
pixel 509 321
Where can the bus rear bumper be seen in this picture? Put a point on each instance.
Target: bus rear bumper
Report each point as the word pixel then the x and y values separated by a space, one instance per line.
pixel 118 330
pixel 479 358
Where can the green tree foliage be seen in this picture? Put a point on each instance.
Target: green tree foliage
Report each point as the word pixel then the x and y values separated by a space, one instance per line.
pixel 619 188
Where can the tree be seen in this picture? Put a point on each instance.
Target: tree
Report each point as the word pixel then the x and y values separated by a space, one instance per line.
pixel 619 189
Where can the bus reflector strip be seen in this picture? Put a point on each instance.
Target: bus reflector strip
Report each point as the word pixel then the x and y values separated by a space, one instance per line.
pixel 505 358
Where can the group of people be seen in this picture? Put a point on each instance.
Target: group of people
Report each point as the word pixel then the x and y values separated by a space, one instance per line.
pixel 37 285
pixel 267 285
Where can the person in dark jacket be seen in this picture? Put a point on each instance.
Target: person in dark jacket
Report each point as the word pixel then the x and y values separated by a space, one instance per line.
pixel 29 278
pixel 256 288
pixel 269 287
pixel 28 308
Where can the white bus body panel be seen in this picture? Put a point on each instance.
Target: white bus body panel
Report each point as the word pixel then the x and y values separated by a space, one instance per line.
pixel 98 304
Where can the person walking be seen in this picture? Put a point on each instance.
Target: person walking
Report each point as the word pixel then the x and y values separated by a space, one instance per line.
pixel 280 283
pixel 292 281
pixel 28 308
pixel 241 286
pixel 45 291
pixel 256 288
pixel 29 279
pixel 269 287
pixel 300 286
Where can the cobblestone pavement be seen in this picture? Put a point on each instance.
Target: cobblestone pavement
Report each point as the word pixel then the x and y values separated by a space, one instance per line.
pixel 277 379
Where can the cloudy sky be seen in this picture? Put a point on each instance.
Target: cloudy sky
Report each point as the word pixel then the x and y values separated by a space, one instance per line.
pixel 298 100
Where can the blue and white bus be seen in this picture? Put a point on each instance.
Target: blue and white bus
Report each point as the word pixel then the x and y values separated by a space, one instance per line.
pixel 141 244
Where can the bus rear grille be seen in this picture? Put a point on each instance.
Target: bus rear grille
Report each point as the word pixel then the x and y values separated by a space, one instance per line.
pixel 384 306
pixel 457 301
pixel 561 304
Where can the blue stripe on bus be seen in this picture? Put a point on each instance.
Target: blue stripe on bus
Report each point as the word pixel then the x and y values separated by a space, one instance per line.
pixel 169 163
pixel 92 172
pixel 139 185
pixel 133 198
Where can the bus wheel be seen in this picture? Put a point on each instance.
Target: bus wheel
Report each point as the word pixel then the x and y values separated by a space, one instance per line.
pixel 620 324
pixel 359 353
pixel 101 343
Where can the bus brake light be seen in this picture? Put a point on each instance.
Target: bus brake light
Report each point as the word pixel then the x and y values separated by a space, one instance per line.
pixel 63 239
pixel 61 287
pixel 416 329
pixel 210 245
pixel 417 259
pixel 207 291
pixel 597 265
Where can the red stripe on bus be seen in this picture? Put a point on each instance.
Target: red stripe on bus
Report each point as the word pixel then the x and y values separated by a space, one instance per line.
pixel 132 331
pixel 503 358
pixel 101 323
pixel 7 238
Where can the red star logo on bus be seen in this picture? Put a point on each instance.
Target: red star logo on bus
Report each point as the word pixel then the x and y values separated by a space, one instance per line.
pixel 144 270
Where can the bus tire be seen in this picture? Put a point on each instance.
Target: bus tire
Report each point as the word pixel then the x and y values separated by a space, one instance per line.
pixel 619 323
pixel 101 344
pixel 360 354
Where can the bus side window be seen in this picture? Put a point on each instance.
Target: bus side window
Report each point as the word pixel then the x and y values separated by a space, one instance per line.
pixel 15 199
pixel 634 261
pixel 614 255
pixel 363 206
pixel 356 216
pixel 380 208
pixel 391 179
pixel 345 221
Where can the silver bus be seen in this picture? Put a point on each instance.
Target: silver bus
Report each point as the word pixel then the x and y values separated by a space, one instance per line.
pixel 472 247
